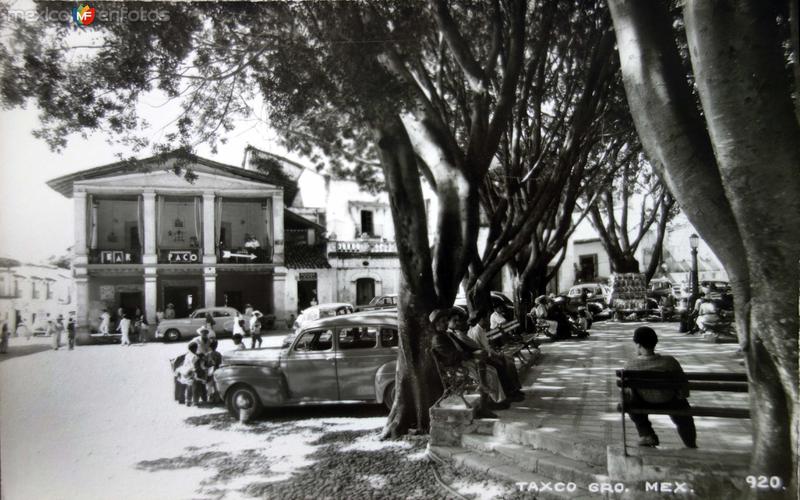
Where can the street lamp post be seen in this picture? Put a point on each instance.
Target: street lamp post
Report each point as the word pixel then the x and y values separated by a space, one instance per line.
pixel 694 242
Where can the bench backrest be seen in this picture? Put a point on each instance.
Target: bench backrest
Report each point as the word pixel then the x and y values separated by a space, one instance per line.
pixel 698 381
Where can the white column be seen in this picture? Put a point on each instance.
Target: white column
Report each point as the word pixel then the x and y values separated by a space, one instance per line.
pixel 150 252
pixel 277 211
pixel 279 297
pixel 81 302
pixel 150 296
pixel 81 212
pixel 209 223
pixel 210 281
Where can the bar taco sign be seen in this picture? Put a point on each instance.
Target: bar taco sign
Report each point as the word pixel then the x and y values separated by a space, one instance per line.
pixel 183 257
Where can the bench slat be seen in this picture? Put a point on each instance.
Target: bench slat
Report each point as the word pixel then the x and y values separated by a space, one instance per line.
pixel 694 411
pixel 675 384
pixel 716 376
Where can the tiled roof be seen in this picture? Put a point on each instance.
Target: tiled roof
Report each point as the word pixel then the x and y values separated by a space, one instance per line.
pixel 306 257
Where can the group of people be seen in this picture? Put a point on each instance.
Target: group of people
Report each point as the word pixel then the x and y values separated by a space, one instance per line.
pixel 250 323
pixel 705 314
pixel 455 343
pixel 126 325
pixel 58 329
pixel 195 371
pixel 548 310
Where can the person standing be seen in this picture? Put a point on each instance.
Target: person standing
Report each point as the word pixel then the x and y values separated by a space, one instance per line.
pixel 255 330
pixel 105 322
pixel 120 315
pixel 22 330
pixel 125 329
pixel 4 334
pixel 646 339
pixel 248 317
pixel 71 333
pixel 170 312
pixel 213 361
pixel 58 329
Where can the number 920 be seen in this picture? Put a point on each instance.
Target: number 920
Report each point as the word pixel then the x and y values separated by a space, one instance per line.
pixel 764 482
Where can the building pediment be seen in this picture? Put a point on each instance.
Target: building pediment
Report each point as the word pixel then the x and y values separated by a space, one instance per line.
pixel 168 172
pixel 202 181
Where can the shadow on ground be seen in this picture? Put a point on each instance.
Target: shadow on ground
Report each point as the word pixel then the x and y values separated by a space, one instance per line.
pixel 330 451
pixel 17 351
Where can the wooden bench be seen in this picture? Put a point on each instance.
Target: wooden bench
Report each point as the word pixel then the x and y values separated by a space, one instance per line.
pixel 693 381
pixel 510 339
pixel 456 380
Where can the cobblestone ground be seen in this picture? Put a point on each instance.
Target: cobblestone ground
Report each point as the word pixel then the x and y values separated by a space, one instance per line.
pixel 99 422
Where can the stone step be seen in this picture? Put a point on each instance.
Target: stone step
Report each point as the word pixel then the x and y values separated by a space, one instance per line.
pixel 520 480
pixel 584 449
pixel 539 461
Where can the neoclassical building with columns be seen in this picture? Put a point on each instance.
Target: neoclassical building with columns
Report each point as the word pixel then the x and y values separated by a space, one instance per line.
pixel 147 235
pixel 271 233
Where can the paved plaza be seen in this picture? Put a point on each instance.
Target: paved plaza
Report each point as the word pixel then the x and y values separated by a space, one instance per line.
pixel 572 390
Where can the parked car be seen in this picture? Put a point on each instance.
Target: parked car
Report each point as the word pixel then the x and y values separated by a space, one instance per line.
pixel 497 298
pixel 322 311
pixel 659 288
pixel 380 302
pixel 348 358
pixel 186 328
pixel 598 296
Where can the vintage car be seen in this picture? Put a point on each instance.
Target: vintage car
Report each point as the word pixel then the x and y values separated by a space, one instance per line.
pixel 322 311
pixel 337 359
pixel 498 299
pixel 598 297
pixel 380 302
pixel 186 328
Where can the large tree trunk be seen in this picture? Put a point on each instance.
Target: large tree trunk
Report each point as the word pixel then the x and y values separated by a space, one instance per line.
pixel 417 385
pixel 742 194
pixel 624 263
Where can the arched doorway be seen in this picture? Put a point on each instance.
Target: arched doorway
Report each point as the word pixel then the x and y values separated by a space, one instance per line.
pixel 365 291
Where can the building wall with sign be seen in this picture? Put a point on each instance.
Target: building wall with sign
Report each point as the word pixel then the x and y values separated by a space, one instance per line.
pixel 325 286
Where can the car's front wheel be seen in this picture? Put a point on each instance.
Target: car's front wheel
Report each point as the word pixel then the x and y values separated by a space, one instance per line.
pixel 172 335
pixel 388 396
pixel 243 403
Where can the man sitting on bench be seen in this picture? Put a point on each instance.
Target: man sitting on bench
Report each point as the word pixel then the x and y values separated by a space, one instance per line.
pixel 476 339
pixel 449 354
pixel 647 360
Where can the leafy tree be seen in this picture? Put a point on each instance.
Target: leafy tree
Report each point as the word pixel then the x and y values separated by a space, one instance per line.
pixel 353 82
pixel 611 212
pixel 564 122
pixel 729 154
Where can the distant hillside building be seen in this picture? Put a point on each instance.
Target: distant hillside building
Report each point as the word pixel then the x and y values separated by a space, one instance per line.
pixel 32 292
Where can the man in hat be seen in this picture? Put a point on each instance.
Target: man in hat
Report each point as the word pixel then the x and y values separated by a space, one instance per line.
pixel 449 353
pixel 647 360
pixel 476 338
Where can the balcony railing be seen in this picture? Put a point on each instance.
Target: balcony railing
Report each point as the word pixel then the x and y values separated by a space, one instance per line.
pixel 362 247
pixel 100 256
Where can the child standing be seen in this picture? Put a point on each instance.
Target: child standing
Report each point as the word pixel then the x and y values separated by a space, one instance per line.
pixel 213 360
pixel 255 330
pixel 186 373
